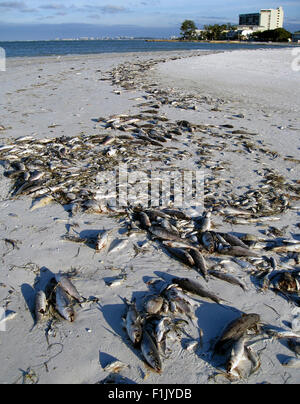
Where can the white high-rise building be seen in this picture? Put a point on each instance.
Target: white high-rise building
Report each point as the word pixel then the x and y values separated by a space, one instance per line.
pixel 272 19
pixel 266 19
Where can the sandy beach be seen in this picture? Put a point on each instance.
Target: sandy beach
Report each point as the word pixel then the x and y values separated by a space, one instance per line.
pixel 232 115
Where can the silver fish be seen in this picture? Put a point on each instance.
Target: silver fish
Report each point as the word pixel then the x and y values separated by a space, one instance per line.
pixel 63 304
pixel 205 223
pixel 227 278
pixel 68 286
pixel 102 240
pixel 133 323
pixel 150 352
pixel 41 306
pixel 254 359
pixel 236 355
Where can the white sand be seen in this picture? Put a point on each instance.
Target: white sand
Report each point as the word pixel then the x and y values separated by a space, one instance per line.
pixel 69 94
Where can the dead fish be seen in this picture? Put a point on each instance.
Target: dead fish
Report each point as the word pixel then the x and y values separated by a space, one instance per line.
pixel 41 306
pixel 194 287
pixel 163 234
pixel 150 352
pixel 133 323
pixel 236 355
pixel 41 202
pixel 68 287
pixel 227 278
pixel 115 367
pixel 208 241
pixel 178 214
pixel 254 359
pixel 144 220
pixel 293 247
pixel 153 304
pixel 118 245
pixel 36 175
pixel 205 222
pixel 237 251
pixel 182 255
pixel 63 304
pixel 235 330
pixel 116 281
pixel 199 262
pixel 108 140
pixel 233 240
pixel 102 240
pixel 234 211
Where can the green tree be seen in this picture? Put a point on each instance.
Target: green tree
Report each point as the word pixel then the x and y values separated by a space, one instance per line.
pixel 215 32
pixel 272 35
pixel 188 30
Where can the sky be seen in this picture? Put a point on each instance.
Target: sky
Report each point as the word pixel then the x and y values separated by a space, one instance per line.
pixel 47 19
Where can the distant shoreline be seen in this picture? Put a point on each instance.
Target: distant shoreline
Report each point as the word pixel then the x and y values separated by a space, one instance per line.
pixel 224 42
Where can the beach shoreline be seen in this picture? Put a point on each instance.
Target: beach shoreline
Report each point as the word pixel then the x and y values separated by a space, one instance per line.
pixel 240 146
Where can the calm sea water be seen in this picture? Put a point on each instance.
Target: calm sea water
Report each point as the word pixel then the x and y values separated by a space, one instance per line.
pixel 48 48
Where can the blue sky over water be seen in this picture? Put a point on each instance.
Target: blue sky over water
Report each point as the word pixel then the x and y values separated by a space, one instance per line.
pixel 31 18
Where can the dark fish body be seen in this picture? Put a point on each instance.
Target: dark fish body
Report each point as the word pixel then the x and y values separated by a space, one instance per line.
pixel 233 240
pixel 208 241
pixel 199 261
pixel 182 255
pixel 227 278
pixel 194 287
pixel 235 330
pixel 237 251
pixel 150 352
pixel 178 214
pixel 162 233
pixel 144 220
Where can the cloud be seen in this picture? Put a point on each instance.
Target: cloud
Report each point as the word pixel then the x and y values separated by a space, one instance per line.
pixel 13 5
pixel 52 7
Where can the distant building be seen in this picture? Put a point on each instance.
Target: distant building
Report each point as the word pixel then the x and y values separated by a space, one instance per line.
pixel 250 19
pixel 266 19
pixel 243 32
pixel 272 19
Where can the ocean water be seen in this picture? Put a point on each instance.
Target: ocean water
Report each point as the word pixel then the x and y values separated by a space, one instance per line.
pixel 48 48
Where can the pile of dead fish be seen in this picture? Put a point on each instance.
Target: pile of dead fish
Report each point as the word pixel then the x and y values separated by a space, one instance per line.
pixel 59 297
pixel 160 321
